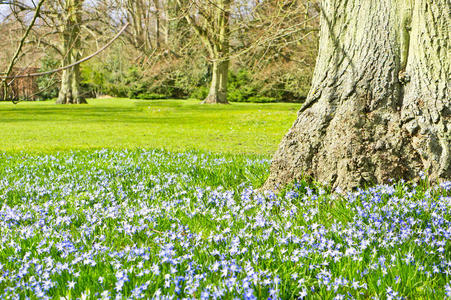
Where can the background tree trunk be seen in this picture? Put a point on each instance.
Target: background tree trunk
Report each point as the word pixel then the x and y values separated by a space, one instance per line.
pixel 70 80
pixel 218 87
pixel 211 23
pixel 157 23
pixel 220 53
pixel 379 103
pixel 65 92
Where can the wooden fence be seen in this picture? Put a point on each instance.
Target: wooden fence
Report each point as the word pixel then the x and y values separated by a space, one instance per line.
pixel 24 88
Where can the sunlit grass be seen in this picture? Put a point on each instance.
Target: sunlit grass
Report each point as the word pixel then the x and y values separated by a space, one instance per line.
pixel 122 123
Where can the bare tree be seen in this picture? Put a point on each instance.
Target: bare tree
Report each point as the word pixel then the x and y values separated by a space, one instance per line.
pixel 278 42
pixel 70 34
pixel 144 17
pixel 59 30
pixel 210 20
pixel 19 48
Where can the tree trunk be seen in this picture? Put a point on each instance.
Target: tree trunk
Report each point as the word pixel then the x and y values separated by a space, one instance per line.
pixel 379 105
pixel 65 92
pixel 218 87
pixel 157 23
pixel 70 80
pixel 219 50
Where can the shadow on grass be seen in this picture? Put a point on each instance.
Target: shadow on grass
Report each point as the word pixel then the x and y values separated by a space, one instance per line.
pixel 96 114
pixel 146 112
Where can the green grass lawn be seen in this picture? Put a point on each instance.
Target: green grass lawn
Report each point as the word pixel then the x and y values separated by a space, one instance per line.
pixel 146 223
pixel 122 123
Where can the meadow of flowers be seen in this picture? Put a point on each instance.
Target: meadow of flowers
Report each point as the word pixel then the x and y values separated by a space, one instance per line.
pixel 153 224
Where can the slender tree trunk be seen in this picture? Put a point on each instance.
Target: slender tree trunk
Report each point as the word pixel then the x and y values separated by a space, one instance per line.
pixel 218 87
pixel 65 92
pixel 70 80
pixel 75 84
pixel 168 8
pixel 379 105
pixel 177 25
pixel 157 23
pixel 220 52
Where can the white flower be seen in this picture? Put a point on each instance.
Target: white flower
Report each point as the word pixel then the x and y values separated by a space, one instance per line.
pixel 71 284
pixel 303 293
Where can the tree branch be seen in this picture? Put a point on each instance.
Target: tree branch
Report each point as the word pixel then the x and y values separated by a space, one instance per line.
pixel 73 64
pixel 19 49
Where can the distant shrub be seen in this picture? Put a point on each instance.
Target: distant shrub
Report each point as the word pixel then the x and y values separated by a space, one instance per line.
pixel 117 90
pixel 261 99
pixel 190 78
pixel 150 96
pixel 136 89
pixel 48 84
pixel 240 86
pixel 200 93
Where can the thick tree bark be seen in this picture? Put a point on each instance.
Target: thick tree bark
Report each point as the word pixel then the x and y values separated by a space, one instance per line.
pixel 379 105
pixel 218 87
pixel 71 44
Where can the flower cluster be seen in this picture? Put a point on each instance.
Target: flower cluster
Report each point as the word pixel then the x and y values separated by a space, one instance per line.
pixel 153 224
